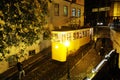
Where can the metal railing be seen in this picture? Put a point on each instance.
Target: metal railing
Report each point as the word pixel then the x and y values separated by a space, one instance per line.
pixel 108 61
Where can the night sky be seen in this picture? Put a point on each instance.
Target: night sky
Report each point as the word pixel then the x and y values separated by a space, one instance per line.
pixel 95 3
pixel 89 5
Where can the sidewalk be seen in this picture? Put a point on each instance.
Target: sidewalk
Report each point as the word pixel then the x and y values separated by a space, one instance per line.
pixel 84 66
pixel 13 72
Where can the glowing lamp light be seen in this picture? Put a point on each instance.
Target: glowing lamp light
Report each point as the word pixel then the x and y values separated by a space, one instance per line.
pixel 56 46
pixel 95 38
pixel 67 43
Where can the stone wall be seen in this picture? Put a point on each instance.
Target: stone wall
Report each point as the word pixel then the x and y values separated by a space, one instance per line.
pixel 115 37
pixel 11 58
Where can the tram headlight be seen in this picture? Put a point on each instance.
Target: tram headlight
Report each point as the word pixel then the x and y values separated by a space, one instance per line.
pixel 67 43
pixel 56 46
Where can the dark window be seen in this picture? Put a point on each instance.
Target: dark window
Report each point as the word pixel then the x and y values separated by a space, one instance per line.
pixel 73 1
pixel 56 9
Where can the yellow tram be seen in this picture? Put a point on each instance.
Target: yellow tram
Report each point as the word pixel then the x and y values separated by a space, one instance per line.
pixel 65 43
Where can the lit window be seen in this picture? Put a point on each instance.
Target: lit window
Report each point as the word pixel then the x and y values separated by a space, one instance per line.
pixel 73 12
pixel 65 10
pixel 79 12
pixel 56 9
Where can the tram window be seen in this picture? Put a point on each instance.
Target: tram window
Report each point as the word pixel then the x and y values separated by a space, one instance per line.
pixel 74 35
pixel 85 33
pixel 55 37
pixel 88 33
pixel 63 37
pixel 73 12
pixel 77 35
pixel 80 35
pixel 68 36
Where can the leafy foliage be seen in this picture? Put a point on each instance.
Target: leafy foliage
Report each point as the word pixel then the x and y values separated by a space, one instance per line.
pixel 21 21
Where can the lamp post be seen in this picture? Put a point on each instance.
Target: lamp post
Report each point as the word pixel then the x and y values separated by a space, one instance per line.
pixel 95 40
pixel 68 68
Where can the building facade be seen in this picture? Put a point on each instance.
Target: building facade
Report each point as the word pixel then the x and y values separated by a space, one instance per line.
pixel 66 13
pixel 115 10
pixel 102 11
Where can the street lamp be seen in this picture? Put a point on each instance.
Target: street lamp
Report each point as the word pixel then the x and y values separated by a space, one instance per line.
pixel 95 40
pixel 67 43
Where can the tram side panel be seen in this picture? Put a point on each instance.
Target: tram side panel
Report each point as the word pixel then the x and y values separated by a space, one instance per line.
pixel 59 52
pixel 76 38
